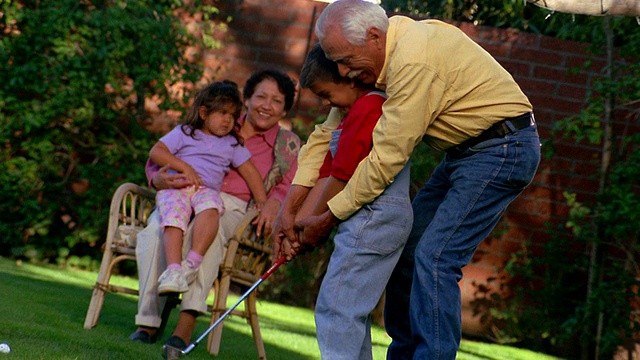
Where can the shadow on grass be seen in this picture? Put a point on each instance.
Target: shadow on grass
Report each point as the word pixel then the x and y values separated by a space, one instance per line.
pixel 42 312
pixel 268 321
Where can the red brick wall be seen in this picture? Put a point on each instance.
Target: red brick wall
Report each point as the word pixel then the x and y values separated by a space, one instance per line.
pixel 276 32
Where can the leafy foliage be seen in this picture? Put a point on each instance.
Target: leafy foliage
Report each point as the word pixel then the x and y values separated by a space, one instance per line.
pixel 608 225
pixel 73 76
pixel 516 14
pixel 497 13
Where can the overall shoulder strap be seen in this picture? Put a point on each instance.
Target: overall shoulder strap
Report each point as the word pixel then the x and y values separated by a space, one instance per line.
pixel 377 92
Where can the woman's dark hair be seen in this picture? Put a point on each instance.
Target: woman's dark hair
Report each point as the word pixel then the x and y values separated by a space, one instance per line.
pixel 285 84
pixel 217 96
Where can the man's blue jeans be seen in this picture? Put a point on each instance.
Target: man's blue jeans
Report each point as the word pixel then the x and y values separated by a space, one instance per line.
pixel 454 211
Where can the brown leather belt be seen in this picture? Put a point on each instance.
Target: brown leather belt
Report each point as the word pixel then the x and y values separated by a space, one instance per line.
pixel 497 130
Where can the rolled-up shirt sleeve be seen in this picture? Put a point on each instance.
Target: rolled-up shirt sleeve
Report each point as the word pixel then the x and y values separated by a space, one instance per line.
pixel 312 153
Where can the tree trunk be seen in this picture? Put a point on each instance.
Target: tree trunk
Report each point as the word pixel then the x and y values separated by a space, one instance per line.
pixel 592 7
pixel 596 263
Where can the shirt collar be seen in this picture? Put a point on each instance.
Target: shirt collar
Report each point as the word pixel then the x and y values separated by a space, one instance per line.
pixel 381 82
pixel 269 136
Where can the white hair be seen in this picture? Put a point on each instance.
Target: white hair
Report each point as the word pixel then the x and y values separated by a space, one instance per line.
pixel 354 17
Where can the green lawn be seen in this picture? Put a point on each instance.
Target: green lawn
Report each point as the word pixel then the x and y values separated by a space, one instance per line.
pixel 42 311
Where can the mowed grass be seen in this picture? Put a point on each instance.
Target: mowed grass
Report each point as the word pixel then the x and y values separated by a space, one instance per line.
pixel 42 312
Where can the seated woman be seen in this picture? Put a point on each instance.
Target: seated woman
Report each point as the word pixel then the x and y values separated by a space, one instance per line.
pixel 268 95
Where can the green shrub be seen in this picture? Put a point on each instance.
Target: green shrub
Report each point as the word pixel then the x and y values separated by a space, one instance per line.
pixel 72 120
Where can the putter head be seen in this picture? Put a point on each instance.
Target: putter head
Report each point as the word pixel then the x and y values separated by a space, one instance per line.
pixel 171 353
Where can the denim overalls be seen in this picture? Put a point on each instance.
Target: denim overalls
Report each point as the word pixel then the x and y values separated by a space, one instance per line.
pixel 367 248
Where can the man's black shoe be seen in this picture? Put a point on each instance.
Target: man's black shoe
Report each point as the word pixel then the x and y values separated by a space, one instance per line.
pixel 143 337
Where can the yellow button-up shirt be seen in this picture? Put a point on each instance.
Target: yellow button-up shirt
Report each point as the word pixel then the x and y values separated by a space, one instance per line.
pixel 442 88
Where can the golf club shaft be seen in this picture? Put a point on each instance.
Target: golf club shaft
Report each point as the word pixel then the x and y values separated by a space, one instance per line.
pixel 268 273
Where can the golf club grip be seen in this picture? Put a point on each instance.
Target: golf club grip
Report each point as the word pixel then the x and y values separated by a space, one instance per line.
pixel 274 267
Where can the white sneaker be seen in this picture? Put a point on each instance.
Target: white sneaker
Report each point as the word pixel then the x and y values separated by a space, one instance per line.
pixel 172 281
pixel 190 273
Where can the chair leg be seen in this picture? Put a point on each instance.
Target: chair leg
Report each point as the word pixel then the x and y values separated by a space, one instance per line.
pixel 252 313
pixel 97 297
pixel 219 307
pixel 95 307
pixel 215 337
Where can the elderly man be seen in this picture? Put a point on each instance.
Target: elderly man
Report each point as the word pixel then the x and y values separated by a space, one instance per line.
pixel 447 91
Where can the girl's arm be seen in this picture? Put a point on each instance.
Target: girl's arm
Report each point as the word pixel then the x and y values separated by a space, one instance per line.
pixel 161 155
pixel 252 176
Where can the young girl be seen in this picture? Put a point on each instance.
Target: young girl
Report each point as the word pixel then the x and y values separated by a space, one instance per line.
pixel 202 149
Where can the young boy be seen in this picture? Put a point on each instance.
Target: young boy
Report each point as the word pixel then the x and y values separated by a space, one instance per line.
pixel 368 244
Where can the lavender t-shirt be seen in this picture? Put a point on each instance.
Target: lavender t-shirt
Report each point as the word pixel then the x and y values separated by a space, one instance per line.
pixel 209 155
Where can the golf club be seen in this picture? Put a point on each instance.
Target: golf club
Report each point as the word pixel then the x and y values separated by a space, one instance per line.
pixel 175 353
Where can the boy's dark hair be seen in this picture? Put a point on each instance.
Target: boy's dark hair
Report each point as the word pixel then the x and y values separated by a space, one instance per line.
pixel 215 97
pixel 317 67
pixel 285 84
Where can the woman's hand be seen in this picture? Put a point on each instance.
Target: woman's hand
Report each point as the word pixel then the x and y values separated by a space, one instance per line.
pixel 268 213
pixel 163 180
